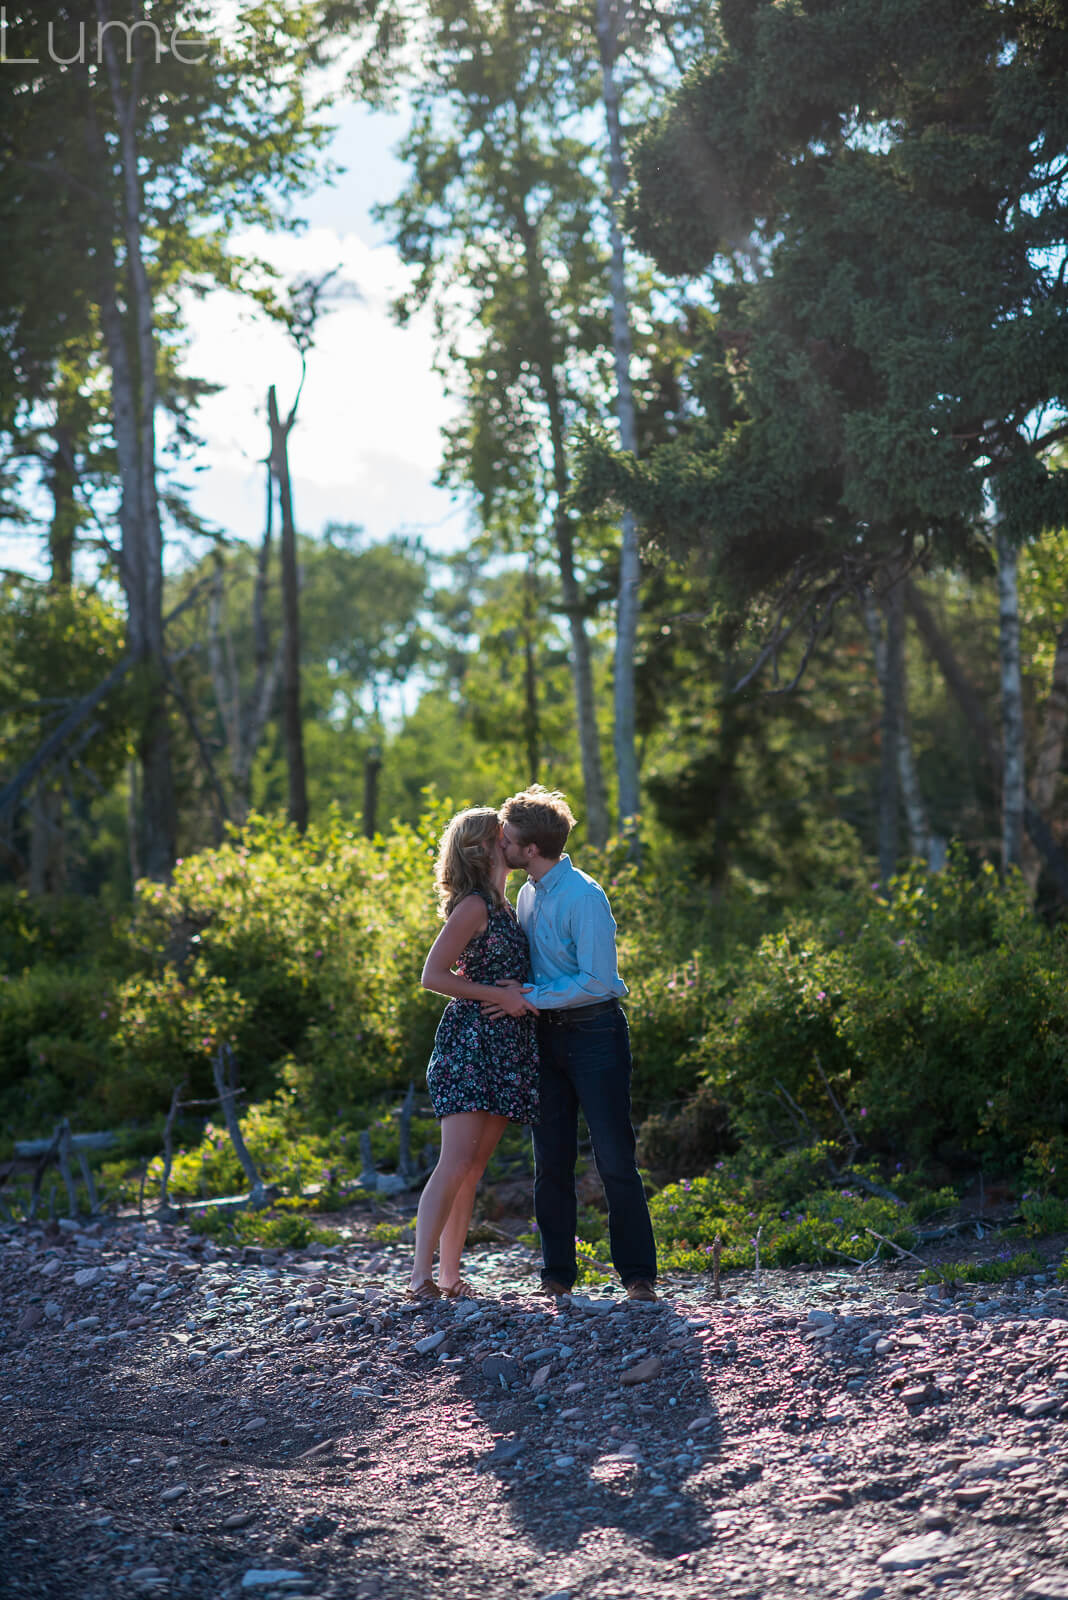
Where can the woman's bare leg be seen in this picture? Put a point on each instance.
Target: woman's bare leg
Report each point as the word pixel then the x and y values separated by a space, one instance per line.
pixel 462 1136
pixel 454 1231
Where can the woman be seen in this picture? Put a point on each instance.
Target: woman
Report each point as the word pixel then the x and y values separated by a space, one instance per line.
pixel 483 1072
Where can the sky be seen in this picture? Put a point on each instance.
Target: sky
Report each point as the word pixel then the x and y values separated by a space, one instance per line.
pixel 367 441
pixel 366 445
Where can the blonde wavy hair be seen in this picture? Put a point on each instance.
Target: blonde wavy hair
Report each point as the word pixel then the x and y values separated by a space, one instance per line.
pixel 466 858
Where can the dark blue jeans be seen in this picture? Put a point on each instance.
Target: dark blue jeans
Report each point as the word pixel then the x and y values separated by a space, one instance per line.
pixel 587 1064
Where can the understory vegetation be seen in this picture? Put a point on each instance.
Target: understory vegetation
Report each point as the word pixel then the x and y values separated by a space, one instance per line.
pixel 818 1082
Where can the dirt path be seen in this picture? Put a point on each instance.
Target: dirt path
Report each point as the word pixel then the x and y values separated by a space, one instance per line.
pixel 180 1421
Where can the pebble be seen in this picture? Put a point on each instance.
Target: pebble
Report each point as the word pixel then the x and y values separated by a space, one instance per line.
pixel 85 1277
pixel 430 1342
pixel 644 1372
pixel 973 1494
pixel 264 1577
pixel 500 1367
pixel 174 1493
pixel 254 1424
pixel 919 1552
pixel 29 1319
pixel 50 1268
pixel 238 1519
pixel 541 1378
pixel 345 1309
pixel 1051 1586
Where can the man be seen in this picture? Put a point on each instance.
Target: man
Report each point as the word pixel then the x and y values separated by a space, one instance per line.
pixel 583 1044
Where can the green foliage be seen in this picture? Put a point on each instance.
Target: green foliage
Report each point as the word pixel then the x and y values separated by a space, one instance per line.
pixel 998 1271
pixel 55 929
pixel 801 1219
pixel 393 1232
pixel 55 1058
pixel 285 1231
pixel 302 954
pixel 936 1016
pixel 1044 1215
pixel 885 189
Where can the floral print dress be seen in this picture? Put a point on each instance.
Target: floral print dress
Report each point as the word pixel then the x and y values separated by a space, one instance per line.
pixel 484 1063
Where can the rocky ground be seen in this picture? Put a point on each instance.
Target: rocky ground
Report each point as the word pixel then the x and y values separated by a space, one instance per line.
pixel 183 1420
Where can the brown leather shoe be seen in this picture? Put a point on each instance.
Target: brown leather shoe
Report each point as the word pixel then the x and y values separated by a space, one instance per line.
pixel 427 1289
pixel 641 1289
pixel 554 1288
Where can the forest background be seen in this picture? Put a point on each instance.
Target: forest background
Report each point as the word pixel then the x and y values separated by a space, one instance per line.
pixel 752 320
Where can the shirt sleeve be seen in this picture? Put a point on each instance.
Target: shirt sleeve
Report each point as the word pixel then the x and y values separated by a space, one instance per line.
pixel 593 929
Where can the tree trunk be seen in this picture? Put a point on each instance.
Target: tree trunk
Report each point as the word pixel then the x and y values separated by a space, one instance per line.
pixel 47 841
pixel 942 653
pixel 629 564
pixel 531 715
pixel 134 391
pixel 1050 748
pixel 292 725
pixel 1012 726
pixel 731 738
pixel 892 729
pixel 923 844
pixel 571 597
pixel 64 507
pixel 47 863
pixel 372 767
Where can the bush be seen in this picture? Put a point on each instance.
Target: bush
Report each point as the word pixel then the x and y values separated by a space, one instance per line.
pixel 931 1024
pixel 65 930
pixel 54 1047
pixel 801 1220
pixel 1004 1267
pixel 284 1231
pixel 303 954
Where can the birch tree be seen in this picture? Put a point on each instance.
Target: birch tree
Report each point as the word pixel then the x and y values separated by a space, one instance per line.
pixel 154 142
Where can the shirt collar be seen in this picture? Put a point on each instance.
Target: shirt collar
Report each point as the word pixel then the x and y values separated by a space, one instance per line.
pixel 555 876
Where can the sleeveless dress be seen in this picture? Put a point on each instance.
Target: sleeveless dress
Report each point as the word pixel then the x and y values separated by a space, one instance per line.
pixel 482 1063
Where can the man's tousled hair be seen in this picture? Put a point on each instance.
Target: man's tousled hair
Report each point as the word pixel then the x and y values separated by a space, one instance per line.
pixel 540 816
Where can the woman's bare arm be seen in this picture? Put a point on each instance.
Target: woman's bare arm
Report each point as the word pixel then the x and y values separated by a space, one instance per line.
pixel 465 923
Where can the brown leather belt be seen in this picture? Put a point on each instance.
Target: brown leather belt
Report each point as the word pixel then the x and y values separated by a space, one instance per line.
pixel 563 1016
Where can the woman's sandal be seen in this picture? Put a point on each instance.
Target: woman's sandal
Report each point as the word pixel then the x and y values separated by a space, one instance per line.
pixel 426 1290
pixel 460 1290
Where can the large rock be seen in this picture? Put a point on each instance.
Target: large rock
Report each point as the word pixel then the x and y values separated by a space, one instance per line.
pixel 920 1552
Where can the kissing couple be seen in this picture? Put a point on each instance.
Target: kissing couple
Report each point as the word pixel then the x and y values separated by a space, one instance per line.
pixel 533 1031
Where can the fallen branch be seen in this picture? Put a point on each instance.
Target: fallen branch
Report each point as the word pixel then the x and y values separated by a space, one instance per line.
pixel 899 1250
pixel 63 1154
pixel 223 1066
pixel 168 1144
pixel 404 1138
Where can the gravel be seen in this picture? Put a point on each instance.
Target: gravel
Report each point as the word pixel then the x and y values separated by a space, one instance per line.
pixel 190 1421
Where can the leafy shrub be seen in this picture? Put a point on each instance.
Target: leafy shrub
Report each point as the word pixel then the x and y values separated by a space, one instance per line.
pixel 285 1231
pixel 1048 1214
pixel 303 954
pixel 54 1046
pixel 63 930
pixel 931 1024
pixel 998 1271
pixel 801 1220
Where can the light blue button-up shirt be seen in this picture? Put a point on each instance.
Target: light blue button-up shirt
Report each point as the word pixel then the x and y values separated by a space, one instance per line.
pixel 572 936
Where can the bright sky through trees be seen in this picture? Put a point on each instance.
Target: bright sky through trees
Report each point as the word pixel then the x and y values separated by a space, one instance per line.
pixel 365 450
